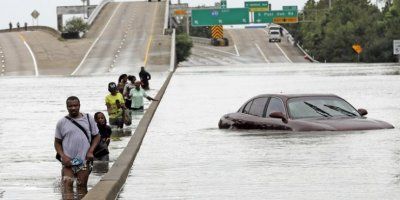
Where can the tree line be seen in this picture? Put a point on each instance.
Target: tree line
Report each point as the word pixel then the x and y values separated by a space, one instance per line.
pixel 328 33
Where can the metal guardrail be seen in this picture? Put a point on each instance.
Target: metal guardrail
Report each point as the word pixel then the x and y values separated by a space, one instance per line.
pixel 292 41
pixel 97 10
pixel 305 53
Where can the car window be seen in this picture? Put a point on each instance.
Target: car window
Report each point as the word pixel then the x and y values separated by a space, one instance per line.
pixel 258 106
pixel 246 109
pixel 275 105
pixel 314 107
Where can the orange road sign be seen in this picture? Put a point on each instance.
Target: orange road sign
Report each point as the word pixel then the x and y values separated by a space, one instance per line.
pixel 283 20
pixel 180 12
pixel 357 48
pixel 217 32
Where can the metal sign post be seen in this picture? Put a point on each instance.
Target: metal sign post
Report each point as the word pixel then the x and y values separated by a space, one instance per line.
pixel 396 48
pixel 35 14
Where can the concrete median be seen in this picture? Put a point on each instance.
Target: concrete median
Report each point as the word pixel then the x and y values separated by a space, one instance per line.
pixel 111 183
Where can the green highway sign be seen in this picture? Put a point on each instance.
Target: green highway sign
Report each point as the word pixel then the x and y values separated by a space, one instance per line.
pixel 289 7
pixel 211 17
pixel 268 17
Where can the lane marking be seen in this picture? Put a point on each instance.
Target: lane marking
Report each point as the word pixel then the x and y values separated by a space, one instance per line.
pixel 233 40
pixel 236 49
pixel 32 55
pixel 287 57
pixel 95 42
pixel 262 53
pixel 284 53
pixel 209 48
pixel 151 38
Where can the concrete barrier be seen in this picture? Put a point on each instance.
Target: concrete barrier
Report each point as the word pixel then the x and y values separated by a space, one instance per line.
pixel 46 29
pixel 199 40
pixel 97 10
pixel 111 183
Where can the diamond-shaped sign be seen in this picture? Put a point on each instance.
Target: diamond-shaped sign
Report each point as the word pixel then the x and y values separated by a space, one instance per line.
pixel 35 14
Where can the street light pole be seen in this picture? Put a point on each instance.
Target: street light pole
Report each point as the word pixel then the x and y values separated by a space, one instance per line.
pixel 84 9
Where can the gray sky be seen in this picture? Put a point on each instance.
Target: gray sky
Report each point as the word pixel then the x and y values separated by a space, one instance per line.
pixel 20 10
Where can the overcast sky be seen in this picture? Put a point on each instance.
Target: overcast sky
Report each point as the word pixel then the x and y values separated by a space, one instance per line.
pixel 20 10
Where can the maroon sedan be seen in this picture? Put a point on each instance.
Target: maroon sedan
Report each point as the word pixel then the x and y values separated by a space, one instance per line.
pixel 315 112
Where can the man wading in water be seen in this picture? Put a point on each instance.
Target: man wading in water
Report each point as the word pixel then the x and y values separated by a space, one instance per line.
pixel 73 142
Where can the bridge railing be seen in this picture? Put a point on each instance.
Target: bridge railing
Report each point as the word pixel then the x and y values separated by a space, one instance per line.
pixel 293 42
pixel 97 10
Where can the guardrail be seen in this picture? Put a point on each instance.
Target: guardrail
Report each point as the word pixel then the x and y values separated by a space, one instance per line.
pixel 97 10
pixel 292 41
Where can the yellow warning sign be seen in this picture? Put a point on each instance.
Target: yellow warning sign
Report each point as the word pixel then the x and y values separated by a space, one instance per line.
pixel 259 9
pixel 357 48
pixel 283 20
pixel 217 32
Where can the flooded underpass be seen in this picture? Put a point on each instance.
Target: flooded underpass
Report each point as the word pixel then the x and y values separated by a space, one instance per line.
pixel 185 156
pixel 30 109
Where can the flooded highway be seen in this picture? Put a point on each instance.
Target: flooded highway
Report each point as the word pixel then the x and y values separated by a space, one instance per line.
pixel 185 156
pixel 30 109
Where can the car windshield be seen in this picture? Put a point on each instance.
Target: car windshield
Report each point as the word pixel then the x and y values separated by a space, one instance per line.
pixel 317 107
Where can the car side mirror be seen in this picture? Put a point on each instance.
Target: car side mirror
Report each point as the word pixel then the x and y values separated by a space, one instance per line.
pixel 362 111
pixel 279 115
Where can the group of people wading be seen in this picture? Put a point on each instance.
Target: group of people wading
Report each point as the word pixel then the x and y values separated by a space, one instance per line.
pixel 79 136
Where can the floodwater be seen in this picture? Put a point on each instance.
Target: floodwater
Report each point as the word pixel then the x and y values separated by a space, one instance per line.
pixel 185 156
pixel 30 109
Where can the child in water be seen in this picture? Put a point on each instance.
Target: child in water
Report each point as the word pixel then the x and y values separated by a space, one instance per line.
pixel 104 130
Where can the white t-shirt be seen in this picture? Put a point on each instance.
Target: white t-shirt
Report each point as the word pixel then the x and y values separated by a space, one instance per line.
pixel 74 142
pixel 137 97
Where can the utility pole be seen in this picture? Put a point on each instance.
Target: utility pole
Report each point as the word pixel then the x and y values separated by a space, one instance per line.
pixel 330 4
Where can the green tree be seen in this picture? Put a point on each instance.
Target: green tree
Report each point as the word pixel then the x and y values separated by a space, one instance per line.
pixel 183 47
pixel 331 32
pixel 76 24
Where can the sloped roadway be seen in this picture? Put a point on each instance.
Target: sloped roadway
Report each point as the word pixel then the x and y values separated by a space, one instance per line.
pixel 15 58
pixel 123 44
pixel 246 46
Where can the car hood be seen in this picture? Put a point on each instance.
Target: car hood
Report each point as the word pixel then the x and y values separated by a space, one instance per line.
pixel 341 124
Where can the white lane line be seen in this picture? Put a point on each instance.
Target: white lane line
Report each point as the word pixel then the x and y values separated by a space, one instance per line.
pixel 33 55
pixel 97 39
pixel 287 57
pixel 259 49
pixel 237 51
pixel 284 53
pixel 218 50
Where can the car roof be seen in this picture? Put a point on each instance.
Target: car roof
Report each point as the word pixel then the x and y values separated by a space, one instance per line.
pixel 289 96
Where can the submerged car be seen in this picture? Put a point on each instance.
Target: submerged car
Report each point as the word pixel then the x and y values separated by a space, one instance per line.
pixel 316 112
